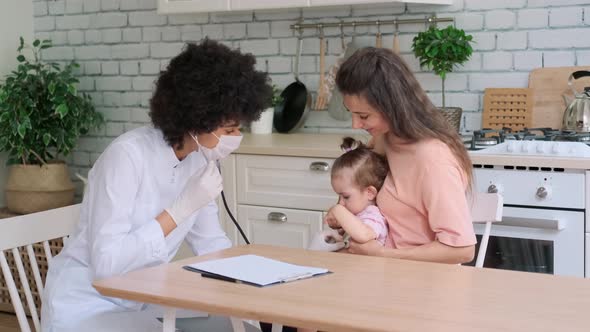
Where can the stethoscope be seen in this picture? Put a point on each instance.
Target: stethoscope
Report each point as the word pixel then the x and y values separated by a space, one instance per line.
pixel 229 212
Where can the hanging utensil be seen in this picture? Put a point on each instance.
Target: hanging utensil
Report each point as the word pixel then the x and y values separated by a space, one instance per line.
pixel 378 37
pixel 396 39
pixel 321 100
pixel 336 107
pixel 342 41
pixel 291 112
pixel 330 76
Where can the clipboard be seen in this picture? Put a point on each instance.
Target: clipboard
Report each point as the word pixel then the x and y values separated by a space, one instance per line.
pixel 254 270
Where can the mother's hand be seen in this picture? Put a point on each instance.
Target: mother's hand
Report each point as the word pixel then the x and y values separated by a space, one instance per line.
pixel 371 248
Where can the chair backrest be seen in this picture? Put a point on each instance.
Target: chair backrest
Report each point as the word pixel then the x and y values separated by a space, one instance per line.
pixel 486 208
pixel 24 231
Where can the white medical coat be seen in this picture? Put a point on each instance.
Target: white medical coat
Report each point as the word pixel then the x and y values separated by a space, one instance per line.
pixel 135 178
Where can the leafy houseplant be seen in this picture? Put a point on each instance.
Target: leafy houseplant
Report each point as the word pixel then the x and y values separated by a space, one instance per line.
pixel 441 50
pixel 42 115
pixel 276 96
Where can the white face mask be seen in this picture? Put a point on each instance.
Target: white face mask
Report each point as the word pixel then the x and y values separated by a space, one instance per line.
pixel 226 145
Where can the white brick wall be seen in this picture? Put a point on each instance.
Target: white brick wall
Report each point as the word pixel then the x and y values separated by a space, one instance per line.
pixel 494 61
pixel 533 18
pixel 566 17
pixel 500 19
pixel 529 60
pixel 512 40
pixel 122 45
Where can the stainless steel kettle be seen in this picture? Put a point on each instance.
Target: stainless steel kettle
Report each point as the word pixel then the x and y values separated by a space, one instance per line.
pixel 577 114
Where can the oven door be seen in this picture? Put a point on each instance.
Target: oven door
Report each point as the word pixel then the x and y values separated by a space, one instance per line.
pixel 537 240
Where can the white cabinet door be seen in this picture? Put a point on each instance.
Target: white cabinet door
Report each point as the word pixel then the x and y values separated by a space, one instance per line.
pixel 587 274
pixel 267 4
pixel 228 173
pixel 345 2
pixel 363 2
pixel 280 227
pixel 192 6
pixel 290 182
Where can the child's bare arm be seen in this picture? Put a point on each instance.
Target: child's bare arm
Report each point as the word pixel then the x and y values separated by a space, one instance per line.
pixel 357 230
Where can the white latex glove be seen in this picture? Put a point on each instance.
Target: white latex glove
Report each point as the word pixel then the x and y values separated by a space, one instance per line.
pixel 200 189
pixel 327 240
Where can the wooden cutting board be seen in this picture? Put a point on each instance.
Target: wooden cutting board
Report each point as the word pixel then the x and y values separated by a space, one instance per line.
pixel 508 108
pixel 550 84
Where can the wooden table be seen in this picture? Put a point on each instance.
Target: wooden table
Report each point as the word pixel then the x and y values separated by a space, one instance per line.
pixel 370 294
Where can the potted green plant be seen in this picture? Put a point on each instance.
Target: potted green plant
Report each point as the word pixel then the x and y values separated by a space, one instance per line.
pixel 441 50
pixel 42 115
pixel 264 124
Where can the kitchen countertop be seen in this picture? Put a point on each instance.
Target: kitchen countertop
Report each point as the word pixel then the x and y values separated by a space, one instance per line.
pixel 327 146
pixel 296 145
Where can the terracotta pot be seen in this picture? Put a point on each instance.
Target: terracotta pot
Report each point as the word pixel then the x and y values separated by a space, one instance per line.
pixel 34 188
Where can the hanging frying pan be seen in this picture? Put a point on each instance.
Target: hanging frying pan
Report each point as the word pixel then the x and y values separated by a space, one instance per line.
pixel 290 114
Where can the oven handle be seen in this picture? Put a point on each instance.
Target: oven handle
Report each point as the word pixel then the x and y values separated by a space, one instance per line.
pixel 552 224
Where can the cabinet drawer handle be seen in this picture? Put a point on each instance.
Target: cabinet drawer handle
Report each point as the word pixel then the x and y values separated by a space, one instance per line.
pixel 277 216
pixel 321 166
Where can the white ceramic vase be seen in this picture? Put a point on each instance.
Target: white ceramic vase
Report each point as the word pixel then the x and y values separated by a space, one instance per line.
pixel 264 124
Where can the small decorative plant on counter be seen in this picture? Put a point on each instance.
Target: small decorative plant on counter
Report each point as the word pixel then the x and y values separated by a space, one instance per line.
pixel 441 50
pixel 42 115
pixel 264 124
pixel 276 96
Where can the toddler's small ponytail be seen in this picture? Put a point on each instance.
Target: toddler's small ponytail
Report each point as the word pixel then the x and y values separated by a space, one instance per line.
pixel 349 144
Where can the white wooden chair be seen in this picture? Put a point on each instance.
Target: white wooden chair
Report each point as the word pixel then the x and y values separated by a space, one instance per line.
pixel 24 231
pixel 486 208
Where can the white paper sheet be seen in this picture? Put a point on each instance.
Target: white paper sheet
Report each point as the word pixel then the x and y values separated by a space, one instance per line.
pixel 257 270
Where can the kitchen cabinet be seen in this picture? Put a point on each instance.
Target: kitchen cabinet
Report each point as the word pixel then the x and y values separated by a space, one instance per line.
pixel 345 2
pixel 362 2
pixel 277 226
pixel 587 274
pixel 278 200
pixel 265 4
pixel 203 6
pixel 291 182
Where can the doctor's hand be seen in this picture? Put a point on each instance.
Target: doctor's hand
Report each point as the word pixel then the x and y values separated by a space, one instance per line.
pixel 200 189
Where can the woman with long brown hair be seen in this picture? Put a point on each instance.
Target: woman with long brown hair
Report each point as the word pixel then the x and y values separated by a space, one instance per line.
pixel 424 195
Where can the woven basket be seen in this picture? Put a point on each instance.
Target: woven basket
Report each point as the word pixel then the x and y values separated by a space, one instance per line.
pixel 5 302
pixel 33 188
pixel 453 116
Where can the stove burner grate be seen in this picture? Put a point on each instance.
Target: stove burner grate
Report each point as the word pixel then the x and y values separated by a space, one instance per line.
pixel 488 137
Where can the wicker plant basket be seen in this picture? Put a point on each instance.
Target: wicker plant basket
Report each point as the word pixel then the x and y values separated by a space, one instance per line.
pixel 453 116
pixel 34 188
pixel 5 302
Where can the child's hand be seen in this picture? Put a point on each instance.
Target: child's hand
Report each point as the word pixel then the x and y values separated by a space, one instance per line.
pixel 331 220
pixel 326 240
pixel 370 248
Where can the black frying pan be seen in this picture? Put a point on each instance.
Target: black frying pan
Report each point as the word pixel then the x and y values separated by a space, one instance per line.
pixel 290 113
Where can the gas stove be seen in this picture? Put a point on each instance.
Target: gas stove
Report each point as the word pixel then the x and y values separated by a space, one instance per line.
pixel 539 148
pixel 545 226
pixel 538 141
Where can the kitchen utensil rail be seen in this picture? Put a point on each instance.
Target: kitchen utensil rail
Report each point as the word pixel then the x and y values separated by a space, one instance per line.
pixel 427 20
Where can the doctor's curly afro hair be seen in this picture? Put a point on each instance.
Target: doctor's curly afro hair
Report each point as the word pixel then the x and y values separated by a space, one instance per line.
pixel 206 86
